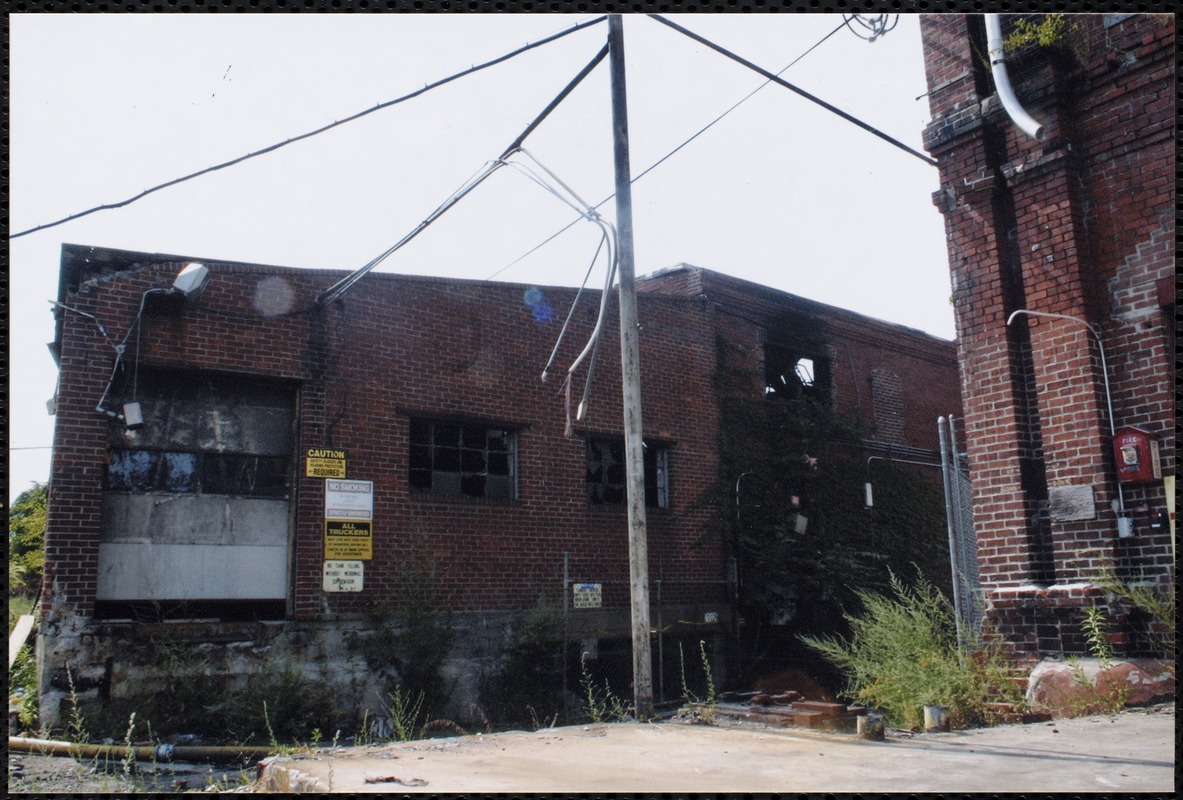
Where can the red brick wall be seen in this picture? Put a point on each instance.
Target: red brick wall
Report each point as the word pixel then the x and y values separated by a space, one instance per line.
pixel 392 347
pixel 1077 224
pixel 854 345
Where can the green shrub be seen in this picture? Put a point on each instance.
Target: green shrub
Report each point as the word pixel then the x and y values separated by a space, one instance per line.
pixel 903 655
pixel 527 684
pixel 22 688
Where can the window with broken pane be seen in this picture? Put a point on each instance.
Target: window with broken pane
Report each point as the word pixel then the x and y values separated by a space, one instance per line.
pixel 606 477
pixel 462 459
pixel 795 373
pixel 178 472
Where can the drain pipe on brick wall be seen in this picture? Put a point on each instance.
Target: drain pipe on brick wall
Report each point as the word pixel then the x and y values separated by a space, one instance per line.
pixel 997 51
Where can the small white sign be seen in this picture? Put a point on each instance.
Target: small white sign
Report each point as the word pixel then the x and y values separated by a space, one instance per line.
pixel 349 499
pixel 587 595
pixel 344 576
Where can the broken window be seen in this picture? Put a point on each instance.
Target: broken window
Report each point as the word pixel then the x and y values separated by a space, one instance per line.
pixel 791 373
pixel 146 471
pixel 606 477
pixel 462 459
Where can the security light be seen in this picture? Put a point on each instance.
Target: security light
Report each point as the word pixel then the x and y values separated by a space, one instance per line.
pixel 191 280
pixel 133 416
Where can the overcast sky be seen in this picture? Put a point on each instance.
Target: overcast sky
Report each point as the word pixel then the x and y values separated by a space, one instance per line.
pixel 782 192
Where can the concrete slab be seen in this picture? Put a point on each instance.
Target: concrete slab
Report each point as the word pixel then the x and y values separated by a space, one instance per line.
pixel 1129 752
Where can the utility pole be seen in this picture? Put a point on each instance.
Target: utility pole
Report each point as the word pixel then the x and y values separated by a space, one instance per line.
pixel 630 352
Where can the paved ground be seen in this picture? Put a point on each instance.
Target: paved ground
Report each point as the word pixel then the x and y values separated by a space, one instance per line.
pixel 1129 752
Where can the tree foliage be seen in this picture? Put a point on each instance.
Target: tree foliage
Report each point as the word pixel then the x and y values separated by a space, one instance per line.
pixel 26 540
pixel 789 503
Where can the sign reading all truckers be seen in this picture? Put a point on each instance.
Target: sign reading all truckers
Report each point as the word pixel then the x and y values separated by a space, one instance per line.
pixel 349 540
pixel 344 576
pixel 349 499
pixel 321 463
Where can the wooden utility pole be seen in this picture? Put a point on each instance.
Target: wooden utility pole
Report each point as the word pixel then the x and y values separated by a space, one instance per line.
pixel 630 352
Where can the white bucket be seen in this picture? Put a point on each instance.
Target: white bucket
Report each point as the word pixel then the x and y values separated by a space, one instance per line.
pixel 936 718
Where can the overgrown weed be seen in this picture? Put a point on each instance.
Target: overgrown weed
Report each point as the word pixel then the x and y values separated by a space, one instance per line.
pixel 903 654
pixel 602 705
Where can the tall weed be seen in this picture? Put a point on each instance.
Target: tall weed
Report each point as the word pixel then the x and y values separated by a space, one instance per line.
pixel 902 655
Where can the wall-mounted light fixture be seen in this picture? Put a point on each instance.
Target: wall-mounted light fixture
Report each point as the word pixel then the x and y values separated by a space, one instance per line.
pixel 188 285
pixel 191 280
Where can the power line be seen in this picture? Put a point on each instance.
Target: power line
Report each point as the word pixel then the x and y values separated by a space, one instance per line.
pixel 781 82
pixel 668 155
pixel 343 285
pixel 309 134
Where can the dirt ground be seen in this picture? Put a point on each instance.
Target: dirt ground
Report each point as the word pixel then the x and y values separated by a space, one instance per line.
pixel 1130 751
pixel 1133 751
pixel 59 775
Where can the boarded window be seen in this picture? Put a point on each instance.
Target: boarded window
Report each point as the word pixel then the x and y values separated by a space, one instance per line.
pixel 606 476
pixel 887 394
pixel 462 459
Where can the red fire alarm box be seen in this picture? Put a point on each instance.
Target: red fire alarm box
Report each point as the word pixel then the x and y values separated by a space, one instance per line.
pixel 1136 453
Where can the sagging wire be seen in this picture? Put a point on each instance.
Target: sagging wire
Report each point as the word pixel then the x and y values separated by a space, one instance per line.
pixel 609 238
pixel 343 285
pixel 339 288
pixel 310 134
pixel 874 26
pixel 120 348
pixel 668 155
pixel 796 89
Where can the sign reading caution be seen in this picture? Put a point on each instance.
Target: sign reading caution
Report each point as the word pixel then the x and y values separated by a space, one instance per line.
pixel 320 463
pixel 349 540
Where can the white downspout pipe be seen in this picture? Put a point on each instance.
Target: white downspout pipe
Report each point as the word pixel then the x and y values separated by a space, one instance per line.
pixel 1002 80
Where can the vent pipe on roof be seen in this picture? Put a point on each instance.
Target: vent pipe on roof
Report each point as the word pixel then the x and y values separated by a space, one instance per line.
pixel 1002 80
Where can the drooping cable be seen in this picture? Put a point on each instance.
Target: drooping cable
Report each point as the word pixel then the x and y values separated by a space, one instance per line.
pixel 343 285
pixel 339 288
pixel 668 155
pixel 798 90
pixel 874 26
pixel 310 134
pixel 609 237
pixel 571 313
pixel 121 349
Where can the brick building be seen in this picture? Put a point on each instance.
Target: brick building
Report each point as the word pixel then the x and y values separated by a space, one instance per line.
pixel 189 503
pixel 1068 236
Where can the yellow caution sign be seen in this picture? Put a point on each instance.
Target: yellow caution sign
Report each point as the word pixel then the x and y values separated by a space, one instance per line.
pixel 321 463
pixel 349 540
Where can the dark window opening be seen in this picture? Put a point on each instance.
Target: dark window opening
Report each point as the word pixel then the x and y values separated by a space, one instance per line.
pixel 795 374
pixel 462 459
pixel 606 477
pixel 177 472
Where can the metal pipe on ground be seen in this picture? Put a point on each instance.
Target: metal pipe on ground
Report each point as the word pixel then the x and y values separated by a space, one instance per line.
pixel 161 752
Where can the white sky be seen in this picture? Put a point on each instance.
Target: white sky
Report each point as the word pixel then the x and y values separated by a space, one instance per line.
pixel 780 192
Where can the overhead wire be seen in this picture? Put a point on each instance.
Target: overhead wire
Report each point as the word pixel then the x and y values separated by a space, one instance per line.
pixel 609 236
pixel 671 153
pixel 339 288
pixel 798 90
pixel 271 148
pixel 875 26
